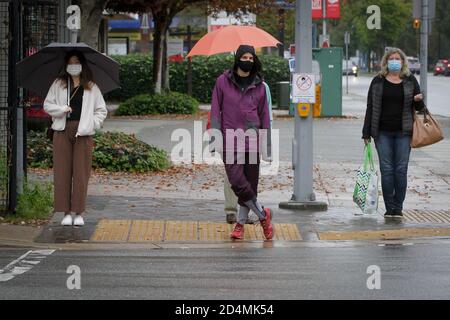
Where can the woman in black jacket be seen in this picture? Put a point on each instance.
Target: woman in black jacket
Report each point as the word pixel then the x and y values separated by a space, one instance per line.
pixel 393 97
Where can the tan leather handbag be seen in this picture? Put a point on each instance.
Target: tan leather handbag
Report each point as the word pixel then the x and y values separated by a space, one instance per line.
pixel 426 130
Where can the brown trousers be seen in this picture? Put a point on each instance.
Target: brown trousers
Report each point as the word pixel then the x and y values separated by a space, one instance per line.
pixel 72 162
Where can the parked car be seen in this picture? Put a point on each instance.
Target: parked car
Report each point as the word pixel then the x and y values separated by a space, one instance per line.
pixel 352 68
pixel 442 67
pixel 414 65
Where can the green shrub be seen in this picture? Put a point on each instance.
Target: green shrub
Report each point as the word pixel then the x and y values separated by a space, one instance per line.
pixel 113 151
pixel 39 150
pixel 145 104
pixel 136 75
pixel 116 151
pixel 35 202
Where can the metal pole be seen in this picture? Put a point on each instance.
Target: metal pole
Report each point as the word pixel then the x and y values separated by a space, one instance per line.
pixel 324 8
pixel 12 102
pixel 302 145
pixel 424 50
pixel 281 27
pixel 346 56
pixel 189 71
pixel 303 183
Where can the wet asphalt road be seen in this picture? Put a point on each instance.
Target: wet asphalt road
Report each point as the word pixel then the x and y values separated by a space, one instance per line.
pixel 328 271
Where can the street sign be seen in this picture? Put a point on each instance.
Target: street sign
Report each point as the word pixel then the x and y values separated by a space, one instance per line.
pixel 283 4
pixel 303 88
pixel 347 38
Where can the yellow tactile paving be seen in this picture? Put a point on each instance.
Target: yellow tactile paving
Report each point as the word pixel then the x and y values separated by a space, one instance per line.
pixel 181 231
pixel 147 230
pixel 189 231
pixel 214 231
pixel 287 231
pixel 385 234
pixel 112 230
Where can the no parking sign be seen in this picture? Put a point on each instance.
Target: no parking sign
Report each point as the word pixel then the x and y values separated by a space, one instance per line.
pixel 303 88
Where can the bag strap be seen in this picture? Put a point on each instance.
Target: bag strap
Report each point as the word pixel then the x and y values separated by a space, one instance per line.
pixel 368 157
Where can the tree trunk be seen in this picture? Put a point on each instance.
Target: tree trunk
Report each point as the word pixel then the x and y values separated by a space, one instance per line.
pixel 162 19
pixel 161 26
pixel 91 15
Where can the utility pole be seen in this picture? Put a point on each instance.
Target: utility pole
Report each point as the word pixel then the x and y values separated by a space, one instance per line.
pixel 324 8
pixel 281 27
pixel 347 42
pixel 424 49
pixel 189 71
pixel 302 145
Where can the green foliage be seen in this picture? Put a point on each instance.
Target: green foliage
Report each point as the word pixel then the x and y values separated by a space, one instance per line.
pixel 113 151
pixel 145 104
pixel 39 150
pixel 35 202
pixel 136 75
pixel 116 151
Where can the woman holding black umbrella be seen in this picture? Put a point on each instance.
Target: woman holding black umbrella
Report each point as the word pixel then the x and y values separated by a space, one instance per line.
pixel 77 108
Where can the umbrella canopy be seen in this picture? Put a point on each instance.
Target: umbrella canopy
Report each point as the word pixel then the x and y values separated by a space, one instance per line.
pixel 37 72
pixel 229 38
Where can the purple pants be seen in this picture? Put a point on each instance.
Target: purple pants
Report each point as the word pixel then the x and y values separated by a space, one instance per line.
pixel 243 177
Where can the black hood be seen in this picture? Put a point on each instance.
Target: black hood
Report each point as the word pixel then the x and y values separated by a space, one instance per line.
pixel 243 49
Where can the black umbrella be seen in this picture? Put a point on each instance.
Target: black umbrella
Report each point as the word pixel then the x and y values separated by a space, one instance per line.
pixel 37 72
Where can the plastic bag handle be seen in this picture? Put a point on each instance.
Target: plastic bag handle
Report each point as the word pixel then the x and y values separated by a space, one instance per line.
pixel 368 158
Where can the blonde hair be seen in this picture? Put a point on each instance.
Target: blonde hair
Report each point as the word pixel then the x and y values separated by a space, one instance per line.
pixel 404 72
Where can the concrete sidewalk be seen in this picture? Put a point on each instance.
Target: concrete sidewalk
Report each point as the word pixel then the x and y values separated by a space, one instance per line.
pixel 195 192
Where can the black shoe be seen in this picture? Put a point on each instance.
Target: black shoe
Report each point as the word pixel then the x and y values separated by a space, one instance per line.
pixel 389 214
pixel 397 214
pixel 231 218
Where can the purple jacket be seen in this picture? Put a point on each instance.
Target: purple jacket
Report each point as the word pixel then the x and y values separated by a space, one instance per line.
pixel 232 108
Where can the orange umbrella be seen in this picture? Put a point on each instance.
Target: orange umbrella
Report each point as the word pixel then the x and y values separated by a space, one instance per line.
pixel 229 39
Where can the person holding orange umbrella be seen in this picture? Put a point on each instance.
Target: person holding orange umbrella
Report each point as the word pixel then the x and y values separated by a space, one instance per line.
pixel 239 102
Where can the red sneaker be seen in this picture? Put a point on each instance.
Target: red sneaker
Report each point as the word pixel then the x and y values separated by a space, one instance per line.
pixel 267 224
pixel 238 232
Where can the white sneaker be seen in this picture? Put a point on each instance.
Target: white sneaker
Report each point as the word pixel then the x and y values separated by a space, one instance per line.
pixel 79 221
pixel 67 221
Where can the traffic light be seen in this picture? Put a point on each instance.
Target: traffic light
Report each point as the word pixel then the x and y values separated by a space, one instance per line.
pixel 416 24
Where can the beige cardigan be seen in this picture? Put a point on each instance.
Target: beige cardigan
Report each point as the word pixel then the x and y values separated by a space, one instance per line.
pixel 93 111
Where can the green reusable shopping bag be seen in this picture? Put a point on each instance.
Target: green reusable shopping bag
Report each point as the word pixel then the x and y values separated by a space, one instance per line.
pixel 365 194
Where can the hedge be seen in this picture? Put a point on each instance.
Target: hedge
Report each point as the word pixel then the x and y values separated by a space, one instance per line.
pixel 136 75
pixel 145 104
pixel 113 151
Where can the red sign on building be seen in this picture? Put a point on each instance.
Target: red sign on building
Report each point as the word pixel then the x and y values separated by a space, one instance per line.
pixel 317 9
pixel 333 9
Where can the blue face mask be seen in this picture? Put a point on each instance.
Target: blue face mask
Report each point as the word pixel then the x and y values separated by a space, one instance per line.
pixel 394 65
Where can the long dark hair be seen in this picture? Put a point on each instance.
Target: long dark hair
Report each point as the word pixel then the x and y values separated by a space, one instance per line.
pixel 86 77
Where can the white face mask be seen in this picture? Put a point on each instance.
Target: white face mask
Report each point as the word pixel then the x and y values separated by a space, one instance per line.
pixel 74 69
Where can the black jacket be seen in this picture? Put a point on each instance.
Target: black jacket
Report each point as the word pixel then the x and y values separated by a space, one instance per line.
pixel 374 105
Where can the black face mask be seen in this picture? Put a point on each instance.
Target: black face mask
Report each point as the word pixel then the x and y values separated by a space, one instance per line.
pixel 245 66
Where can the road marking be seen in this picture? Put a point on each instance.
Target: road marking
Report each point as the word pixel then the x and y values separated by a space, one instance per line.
pixel 23 264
